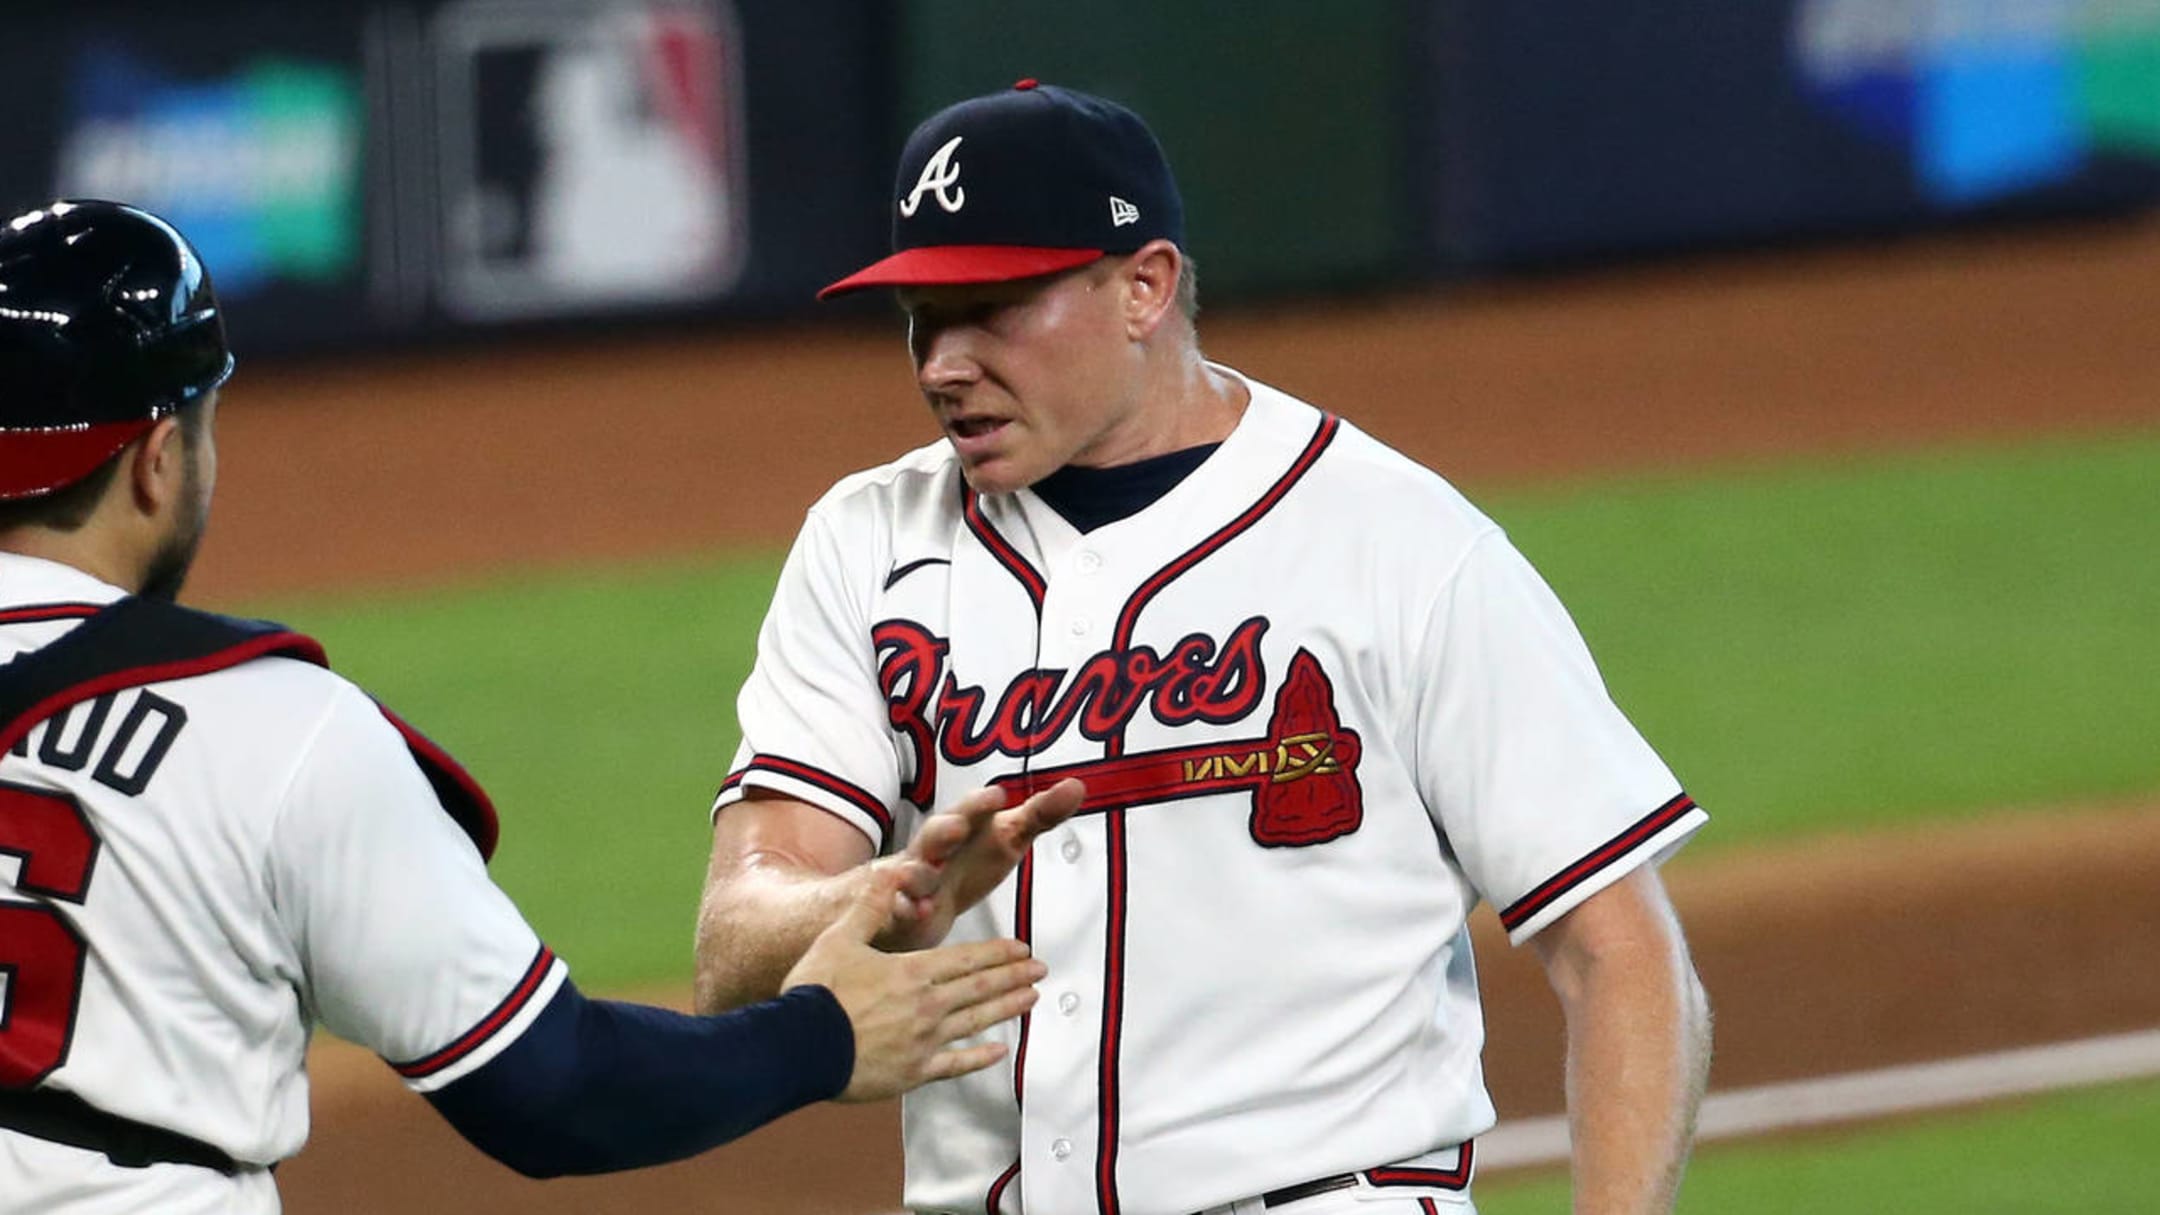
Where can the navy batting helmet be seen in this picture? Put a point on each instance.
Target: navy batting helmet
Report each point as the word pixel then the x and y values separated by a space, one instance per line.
pixel 107 324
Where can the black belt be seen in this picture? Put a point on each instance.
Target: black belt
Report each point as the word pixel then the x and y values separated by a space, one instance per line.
pixel 62 1117
pixel 1306 1189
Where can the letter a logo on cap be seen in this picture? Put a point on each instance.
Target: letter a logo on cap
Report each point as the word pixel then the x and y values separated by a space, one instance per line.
pixel 938 174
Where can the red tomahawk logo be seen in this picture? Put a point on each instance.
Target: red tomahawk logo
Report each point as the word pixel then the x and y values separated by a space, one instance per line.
pixel 1303 775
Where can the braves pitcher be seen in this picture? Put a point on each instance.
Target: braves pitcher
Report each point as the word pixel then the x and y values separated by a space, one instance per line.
pixel 1321 706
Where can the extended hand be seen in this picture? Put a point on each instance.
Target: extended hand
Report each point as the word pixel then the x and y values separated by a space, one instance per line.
pixel 909 1008
pixel 961 853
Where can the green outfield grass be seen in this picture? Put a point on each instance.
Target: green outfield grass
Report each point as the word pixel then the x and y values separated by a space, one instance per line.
pixel 2080 1153
pixel 1823 648
pixel 1814 648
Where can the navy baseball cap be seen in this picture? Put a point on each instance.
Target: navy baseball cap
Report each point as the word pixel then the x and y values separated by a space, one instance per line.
pixel 1025 181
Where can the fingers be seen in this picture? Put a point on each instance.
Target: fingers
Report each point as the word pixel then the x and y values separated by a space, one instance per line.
pixel 1019 826
pixel 872 911
pixel 949 964
pixel 1055 804
pixel 972 1019
pixel 946 1064
pixel 917 878
pixel 941 835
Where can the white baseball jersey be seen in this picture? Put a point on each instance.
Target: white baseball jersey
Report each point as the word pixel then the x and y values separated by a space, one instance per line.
pixel 193 869
pixel 1322 706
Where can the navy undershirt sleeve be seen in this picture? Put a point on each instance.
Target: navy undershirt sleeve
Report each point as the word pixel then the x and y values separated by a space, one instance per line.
pixel 594 1086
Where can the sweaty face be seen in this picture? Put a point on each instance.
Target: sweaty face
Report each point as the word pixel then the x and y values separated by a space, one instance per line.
pixel 176 555
pixel 1026 377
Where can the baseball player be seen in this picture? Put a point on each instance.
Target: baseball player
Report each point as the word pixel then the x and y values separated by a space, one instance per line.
pixel 1319 705
pixel 207 839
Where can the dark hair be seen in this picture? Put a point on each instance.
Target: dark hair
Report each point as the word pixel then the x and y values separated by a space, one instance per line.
pixel 66 509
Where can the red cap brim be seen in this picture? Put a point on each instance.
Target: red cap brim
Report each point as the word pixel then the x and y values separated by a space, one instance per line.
pixel 34 462
pixel 937 265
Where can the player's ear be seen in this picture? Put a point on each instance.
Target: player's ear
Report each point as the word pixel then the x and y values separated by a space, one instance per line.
pixel 1151 278
pixel 157 466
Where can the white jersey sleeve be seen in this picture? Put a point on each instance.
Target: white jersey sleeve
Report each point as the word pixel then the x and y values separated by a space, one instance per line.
pixel 1543 789
pixel 408 947
pixel 815 725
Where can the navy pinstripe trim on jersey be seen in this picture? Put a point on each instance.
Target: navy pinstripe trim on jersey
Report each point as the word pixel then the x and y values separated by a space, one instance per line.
pixel 1583 870
pixel 1457 1178
pixel 471 1040
pixel 1023 927
pixel 1106 1149
pixel 40 612
pixel 1323 435
pixel 854 794
pixel 1114 817
pixel 998 1188
pixel 1030 579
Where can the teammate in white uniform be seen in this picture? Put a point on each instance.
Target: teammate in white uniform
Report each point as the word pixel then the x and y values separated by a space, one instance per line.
pixel 1320 706
pixel 207 839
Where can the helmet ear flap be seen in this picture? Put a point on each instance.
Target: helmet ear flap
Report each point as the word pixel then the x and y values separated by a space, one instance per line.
pixel 108 322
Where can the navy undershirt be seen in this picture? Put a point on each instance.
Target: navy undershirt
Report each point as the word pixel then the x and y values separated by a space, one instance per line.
pixel 595 1086
pixel 1087 498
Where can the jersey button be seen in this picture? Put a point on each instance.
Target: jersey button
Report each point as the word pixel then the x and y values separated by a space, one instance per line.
pixel 1068 1004
pixel 1078 627
pixel 1061 1149
pixel 1070 849
pixel 1088 561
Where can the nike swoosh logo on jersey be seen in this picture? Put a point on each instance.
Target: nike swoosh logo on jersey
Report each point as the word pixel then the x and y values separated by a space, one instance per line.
pixel 902 571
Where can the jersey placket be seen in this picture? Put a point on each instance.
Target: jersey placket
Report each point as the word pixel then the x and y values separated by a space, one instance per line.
pixel 1070 901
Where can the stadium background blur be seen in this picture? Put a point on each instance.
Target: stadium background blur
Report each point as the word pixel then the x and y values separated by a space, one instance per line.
pixel 1808 345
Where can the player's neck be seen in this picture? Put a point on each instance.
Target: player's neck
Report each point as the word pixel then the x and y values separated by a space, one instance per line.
pixel 94 550
pixel 1186 404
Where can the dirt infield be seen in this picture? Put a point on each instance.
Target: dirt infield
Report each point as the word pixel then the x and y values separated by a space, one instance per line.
pixel 1849 954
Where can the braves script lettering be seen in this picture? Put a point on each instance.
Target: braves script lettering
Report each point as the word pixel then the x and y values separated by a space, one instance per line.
pixel 1197 680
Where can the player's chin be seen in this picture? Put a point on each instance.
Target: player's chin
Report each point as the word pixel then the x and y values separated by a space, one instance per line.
pixel 997 473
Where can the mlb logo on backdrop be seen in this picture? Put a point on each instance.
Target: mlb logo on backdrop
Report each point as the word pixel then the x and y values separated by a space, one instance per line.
pixel 592 155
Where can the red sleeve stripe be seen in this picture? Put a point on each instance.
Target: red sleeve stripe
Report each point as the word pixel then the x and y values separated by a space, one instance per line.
pixel 38 613
pixel 519 997
pixel 1581 871
pixel 854 794
pixel 1446 1179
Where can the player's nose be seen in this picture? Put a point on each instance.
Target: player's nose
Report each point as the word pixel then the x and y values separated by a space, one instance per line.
pixel 944 358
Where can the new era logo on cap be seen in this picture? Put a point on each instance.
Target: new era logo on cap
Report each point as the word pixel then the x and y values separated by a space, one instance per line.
pixel 1019 180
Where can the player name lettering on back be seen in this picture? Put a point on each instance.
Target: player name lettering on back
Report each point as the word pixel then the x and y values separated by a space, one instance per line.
pixel 127 754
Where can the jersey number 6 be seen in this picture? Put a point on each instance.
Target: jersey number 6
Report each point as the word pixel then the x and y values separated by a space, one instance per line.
pixel 41 954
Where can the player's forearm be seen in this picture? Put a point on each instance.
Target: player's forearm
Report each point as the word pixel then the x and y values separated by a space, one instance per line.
pixel 754 926
pixel 597 1086
pixel 1638 1057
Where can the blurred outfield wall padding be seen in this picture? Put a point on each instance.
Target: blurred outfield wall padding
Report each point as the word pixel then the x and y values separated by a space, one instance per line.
pixel 393 172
